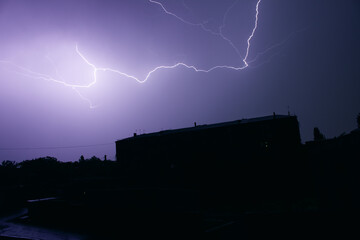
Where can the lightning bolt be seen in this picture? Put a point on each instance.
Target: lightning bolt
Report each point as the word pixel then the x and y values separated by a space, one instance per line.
pixel 203 25
pixel 95 70
pixel 275 46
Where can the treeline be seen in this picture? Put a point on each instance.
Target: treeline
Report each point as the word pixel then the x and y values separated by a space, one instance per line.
pixel 46 176
pixel 50 168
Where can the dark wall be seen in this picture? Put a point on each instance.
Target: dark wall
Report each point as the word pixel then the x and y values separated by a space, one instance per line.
pixel 242 141
pixel 237 164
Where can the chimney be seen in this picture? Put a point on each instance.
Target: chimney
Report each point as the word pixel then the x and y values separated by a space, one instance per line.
pixel 194 124
pixel 105 158
pixel 274 115
pixel 135 134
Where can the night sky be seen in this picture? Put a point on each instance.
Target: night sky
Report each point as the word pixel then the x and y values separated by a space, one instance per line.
pixel 303 57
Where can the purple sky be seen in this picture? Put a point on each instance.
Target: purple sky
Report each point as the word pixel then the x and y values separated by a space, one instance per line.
pixel 306 56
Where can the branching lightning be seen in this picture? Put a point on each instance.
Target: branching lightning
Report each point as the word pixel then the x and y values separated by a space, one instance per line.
pixel 203 25
pixel 275 46
pixel 76 87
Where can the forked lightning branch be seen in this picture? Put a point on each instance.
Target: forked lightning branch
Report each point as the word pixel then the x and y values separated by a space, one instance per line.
pixel 76 87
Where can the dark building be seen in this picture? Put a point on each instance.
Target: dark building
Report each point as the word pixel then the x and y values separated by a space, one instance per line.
pixel 246 138
pixel 243 163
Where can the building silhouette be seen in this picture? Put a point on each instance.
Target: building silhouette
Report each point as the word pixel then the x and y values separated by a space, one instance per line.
pixel 240 140
pixel 248 163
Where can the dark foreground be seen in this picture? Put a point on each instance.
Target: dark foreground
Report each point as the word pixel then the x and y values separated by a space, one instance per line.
pixel 309 191
pixel 312 225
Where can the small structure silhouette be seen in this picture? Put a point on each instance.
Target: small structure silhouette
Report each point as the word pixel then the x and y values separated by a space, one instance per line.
pixel 318 135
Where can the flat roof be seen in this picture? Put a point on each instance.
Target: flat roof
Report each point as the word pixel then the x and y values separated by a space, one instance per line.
pixel 208 126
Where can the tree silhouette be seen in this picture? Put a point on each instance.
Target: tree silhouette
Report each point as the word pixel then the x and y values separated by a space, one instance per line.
pixel 94 159
pixel 318 135
pixel 8 164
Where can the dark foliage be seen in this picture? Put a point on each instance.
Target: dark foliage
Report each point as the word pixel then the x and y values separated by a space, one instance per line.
pixel 8 164
pixel 46 176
